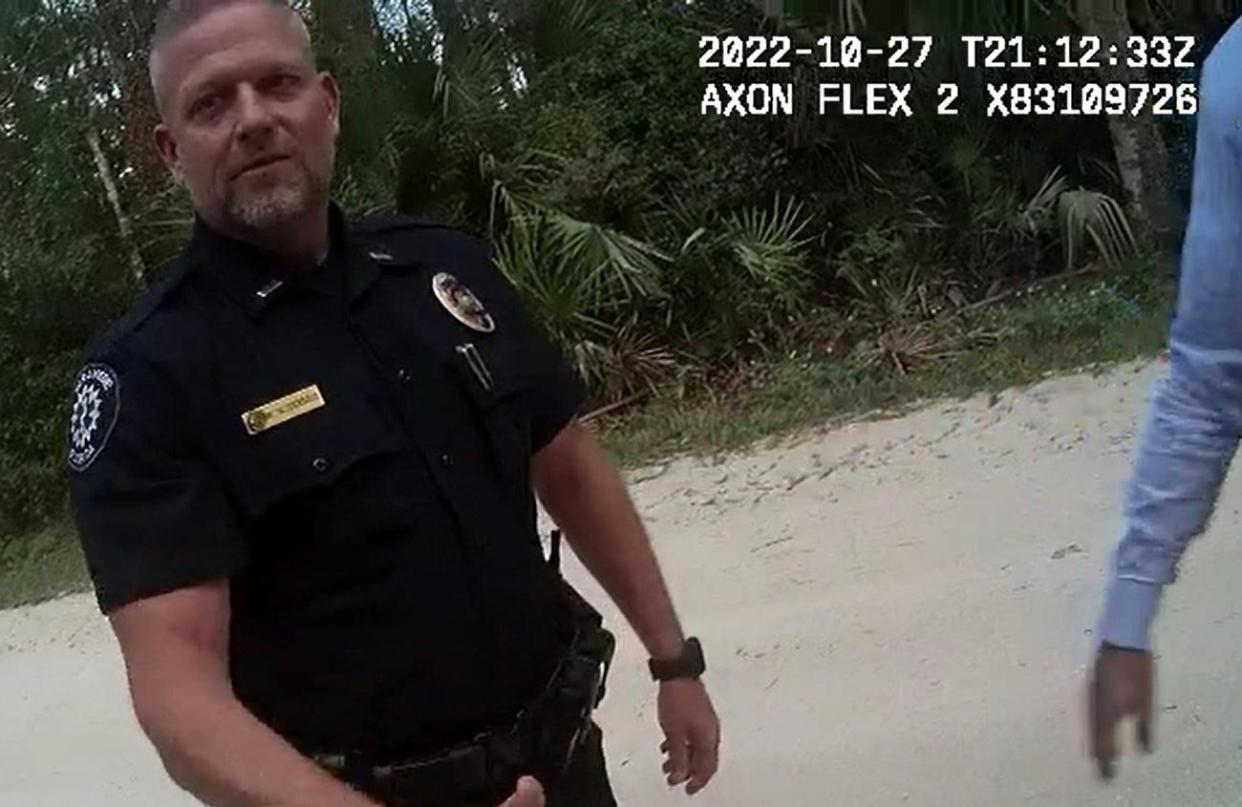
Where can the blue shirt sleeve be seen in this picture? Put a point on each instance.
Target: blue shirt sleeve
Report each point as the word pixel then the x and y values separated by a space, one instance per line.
pixel 1195 417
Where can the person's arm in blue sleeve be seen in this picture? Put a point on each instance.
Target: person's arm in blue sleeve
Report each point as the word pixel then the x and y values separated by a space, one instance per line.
pixel 1195 419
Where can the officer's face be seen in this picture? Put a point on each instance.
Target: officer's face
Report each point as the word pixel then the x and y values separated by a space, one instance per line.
pixel 249 126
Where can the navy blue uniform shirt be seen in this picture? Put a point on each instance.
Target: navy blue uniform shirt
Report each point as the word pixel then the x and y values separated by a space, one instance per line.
pixel 352 451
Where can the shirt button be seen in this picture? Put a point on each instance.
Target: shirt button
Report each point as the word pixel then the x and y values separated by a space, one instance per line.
pixel 320 464
pixel 403 375
pixel 446 460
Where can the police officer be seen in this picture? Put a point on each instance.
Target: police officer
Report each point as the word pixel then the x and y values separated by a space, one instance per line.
pixel 1195 420
pixel 304 469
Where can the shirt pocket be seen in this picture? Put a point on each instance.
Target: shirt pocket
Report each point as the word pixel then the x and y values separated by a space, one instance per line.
pixel 318 456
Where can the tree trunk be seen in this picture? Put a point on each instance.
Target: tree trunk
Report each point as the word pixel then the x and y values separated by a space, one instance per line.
pixel 123 28
pixel 104 170
pixel 347 30
pixel 452 24
pixel 1139 148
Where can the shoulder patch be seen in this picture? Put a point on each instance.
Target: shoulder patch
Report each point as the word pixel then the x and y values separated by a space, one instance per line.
pixel 96 403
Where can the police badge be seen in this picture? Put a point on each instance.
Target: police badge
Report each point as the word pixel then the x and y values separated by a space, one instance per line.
pixel 461 303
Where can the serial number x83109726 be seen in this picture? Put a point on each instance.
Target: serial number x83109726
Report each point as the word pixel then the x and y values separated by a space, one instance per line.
pixel 1091 99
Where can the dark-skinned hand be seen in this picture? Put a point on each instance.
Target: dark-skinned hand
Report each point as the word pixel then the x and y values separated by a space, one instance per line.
pixel 1122 687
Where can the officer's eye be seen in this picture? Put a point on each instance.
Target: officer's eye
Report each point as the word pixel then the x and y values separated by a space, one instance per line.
pixel 206 107
pixel 282 83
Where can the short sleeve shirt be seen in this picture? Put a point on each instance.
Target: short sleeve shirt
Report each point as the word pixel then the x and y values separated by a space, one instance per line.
pixel 349 446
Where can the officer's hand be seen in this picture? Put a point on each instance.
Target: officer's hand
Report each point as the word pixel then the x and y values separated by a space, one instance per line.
pixel 529 793
pixel 1122 686
pixel 692 734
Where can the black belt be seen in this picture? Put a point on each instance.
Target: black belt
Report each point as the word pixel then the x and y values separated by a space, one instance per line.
pixel 482 771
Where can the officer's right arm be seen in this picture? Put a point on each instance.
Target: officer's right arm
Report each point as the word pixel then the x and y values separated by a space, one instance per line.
pixel 175 647
pixel 161 541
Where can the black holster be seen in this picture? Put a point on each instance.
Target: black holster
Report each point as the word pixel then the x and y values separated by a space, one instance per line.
pixel 563 710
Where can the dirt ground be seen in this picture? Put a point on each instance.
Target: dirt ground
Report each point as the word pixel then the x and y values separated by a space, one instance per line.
pixel 895 612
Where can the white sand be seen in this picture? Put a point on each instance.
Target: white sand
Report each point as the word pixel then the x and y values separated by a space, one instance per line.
pixel 895 612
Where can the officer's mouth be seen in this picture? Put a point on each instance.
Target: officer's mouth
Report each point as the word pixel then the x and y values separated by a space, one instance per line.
pixel 259 165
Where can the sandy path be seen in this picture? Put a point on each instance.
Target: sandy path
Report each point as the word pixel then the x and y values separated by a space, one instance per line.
pixel 895 613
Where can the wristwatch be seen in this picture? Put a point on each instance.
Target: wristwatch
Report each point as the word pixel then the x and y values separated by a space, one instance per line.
pixel 690 664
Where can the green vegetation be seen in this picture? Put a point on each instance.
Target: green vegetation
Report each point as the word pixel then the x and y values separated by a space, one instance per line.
pixel 41 564
pixel 736 277
pixel 1084 324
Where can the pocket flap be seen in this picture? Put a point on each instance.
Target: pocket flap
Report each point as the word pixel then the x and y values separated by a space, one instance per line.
pixel 313 451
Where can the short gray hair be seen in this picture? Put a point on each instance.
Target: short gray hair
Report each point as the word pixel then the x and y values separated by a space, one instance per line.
pixel 177 15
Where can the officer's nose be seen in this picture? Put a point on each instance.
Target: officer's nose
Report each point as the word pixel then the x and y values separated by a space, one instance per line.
pixel 254 119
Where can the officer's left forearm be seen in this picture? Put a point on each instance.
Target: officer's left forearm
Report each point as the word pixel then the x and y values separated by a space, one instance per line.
pixel 584 493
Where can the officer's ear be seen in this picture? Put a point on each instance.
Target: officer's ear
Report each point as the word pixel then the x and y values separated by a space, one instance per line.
pixel 332 97
pixel 166 146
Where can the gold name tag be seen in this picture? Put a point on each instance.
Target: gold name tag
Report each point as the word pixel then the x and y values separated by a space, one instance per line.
pixel 264 417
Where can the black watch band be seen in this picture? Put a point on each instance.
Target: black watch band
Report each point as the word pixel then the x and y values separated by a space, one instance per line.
pixel 690 664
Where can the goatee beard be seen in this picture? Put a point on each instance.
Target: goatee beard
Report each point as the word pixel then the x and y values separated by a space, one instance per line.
pixel 259 211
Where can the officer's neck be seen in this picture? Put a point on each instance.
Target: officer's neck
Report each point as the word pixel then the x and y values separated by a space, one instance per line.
pixel 299 243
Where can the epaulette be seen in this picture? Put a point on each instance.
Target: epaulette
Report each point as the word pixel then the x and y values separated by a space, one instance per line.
pixel 143 307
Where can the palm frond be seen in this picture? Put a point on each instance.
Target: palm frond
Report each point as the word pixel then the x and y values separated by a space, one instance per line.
pixel 628 263
pixel 768 245
pixel 575 274
pixel 562 294
pixel 887 294
pixel 1099 217
pixel 562 28
pixel 635 357
pixel 1035 214
pixel 475 82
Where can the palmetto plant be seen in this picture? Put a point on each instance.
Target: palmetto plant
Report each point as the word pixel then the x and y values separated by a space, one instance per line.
pixel 885 282
pixel 582 282
pixel 1082 215
pixel 769 246
pixel 1101 219
pixel 1034 217
pixel 610 269
pixel 632 358
pixel 598 267
pixel 738 276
